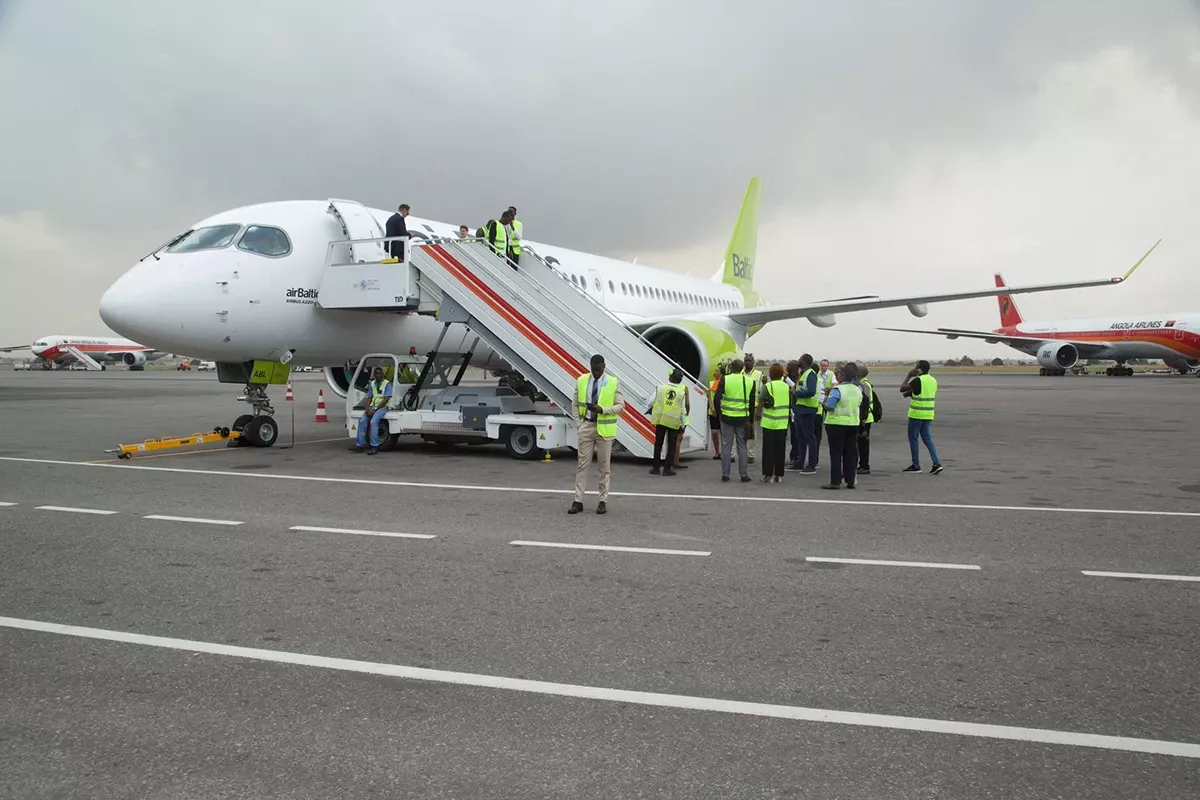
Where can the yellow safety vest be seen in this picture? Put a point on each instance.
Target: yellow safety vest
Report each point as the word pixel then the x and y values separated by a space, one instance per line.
pixel 846 410
pixel 920 406
pixel 606 424
pixel 868 393
pixel 501 245
pixel 668 406
pixel 516 245
pixel 775 418
pixel 735 402
pixel 377 390
pixel 807 402
pixel 823 382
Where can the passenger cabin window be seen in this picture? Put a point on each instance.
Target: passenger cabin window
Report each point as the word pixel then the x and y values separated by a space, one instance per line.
pixel 265 240
pixel 211 238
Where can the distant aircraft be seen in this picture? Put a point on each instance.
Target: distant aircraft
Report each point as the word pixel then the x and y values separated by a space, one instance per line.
pixel 1059 345
pixel 93 352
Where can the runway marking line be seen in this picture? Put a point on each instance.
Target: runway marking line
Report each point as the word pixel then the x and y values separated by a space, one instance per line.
pixel 869 561
pixel 583 692
pixel 724 498
pixel 72 510
pixel 1141 575
pixel 201 520
pixel 360 532
pixel 615 548
pixel 7 505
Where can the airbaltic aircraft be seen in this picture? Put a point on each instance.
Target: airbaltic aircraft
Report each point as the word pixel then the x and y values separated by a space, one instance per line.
pixel 243 284
pixel 1058 345
pixel 91 351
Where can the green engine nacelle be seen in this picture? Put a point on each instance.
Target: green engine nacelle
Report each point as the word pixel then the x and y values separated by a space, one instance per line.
pixel 695 346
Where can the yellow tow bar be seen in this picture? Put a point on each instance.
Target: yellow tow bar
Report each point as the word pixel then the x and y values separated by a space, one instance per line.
pixel 171 442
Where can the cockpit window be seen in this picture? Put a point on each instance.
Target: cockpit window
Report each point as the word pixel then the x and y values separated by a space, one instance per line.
pixel 211 238
pixel 265 240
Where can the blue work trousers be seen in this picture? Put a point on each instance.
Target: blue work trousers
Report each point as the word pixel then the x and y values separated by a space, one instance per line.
pixel 807 450
pixel 922 428
pixel 369 420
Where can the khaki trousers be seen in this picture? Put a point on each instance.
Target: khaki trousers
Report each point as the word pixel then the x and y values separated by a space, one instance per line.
pixel 589 442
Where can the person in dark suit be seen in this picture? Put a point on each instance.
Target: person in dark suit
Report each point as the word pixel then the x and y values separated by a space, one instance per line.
pixel 396 226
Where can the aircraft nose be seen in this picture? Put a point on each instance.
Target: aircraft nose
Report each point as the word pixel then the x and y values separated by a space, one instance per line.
pixel 115 308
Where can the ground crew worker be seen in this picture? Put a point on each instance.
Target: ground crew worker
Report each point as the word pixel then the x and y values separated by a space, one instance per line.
pixel 804 418
pixel 869 417
pixel 755 376
pixel 790 377
pixel 666 413
pixel 714 416
pixel 379 394
pixel 687 420
pixel 514 242
pixel 921 389
pixel 777 408
pixel 735 402
pixel 496 234
pixel 598 405
pixel 842 414
pixel 826 380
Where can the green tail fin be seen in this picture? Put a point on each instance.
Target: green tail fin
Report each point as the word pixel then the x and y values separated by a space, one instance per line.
pixel 741 253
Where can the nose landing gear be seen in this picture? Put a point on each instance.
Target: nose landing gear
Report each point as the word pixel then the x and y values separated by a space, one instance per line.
pixel 258 429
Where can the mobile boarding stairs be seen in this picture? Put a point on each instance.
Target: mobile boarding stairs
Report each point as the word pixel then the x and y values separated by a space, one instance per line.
pixel 545 327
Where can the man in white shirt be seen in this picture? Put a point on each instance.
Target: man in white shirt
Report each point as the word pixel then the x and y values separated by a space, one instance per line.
pixel 826 380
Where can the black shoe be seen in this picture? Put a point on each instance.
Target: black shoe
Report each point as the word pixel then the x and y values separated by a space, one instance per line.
pixel 911 468
pixel 745 479
pixel 575 508
pixel 864 470
pixel 602 508
pixel 356 449
pixel 654 471
pixel 371 451
pixel 794 468
pixel 831 486
pixel 936 469
pixel 681 466
pixel 669 473
pixel 724 479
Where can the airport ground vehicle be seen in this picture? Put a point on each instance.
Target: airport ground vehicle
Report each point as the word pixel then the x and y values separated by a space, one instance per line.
pixel 437 407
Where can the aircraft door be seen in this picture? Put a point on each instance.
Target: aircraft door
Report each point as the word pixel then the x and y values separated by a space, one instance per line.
pixel 1180 331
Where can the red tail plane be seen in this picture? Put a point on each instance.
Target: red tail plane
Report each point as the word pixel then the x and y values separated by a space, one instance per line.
pixel 1009 315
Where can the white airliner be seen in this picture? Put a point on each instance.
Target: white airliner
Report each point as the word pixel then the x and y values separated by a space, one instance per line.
pixel 91 351
pixel 1059 344
pixel 243 285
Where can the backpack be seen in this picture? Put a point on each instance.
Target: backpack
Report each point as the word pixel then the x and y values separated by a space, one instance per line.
pixel 875 409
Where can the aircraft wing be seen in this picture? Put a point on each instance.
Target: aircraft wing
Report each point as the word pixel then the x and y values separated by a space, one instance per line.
pixel 14 348
pixel 1086 349
pixel 825 310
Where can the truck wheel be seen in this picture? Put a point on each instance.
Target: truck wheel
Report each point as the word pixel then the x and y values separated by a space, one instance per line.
pixel 386 440
pixel 520 441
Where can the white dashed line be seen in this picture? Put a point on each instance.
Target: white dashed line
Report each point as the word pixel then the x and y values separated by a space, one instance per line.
pixel 655 699
pixel 721 498
pixel 6 505
pixel 358 532
pixel 651 550
pixel 201 520
pixel 927 564
pixel 75 510
pixel 1142 576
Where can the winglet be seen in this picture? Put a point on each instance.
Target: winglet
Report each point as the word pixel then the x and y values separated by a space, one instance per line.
pixel 1125 277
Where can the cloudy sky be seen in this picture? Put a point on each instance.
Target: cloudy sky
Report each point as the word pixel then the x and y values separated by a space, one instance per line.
pixel 903 146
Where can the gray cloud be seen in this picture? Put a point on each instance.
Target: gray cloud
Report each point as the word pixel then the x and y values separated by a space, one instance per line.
pixel 630 129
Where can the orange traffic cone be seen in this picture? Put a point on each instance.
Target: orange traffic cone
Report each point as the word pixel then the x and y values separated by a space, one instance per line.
pixel 288 397
pixel 321 407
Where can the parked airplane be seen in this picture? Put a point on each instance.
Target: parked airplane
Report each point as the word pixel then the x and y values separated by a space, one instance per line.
pixel 244 284
pixel 1059 345
pixel 93 352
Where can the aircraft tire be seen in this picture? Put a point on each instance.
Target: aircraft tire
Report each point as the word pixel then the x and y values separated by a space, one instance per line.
pixel 262 431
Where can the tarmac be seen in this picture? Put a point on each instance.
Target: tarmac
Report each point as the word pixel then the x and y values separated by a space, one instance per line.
pixel 306 622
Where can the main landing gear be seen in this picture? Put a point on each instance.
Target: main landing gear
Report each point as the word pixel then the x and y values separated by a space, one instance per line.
pixel 1120 370
pixel 258 429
